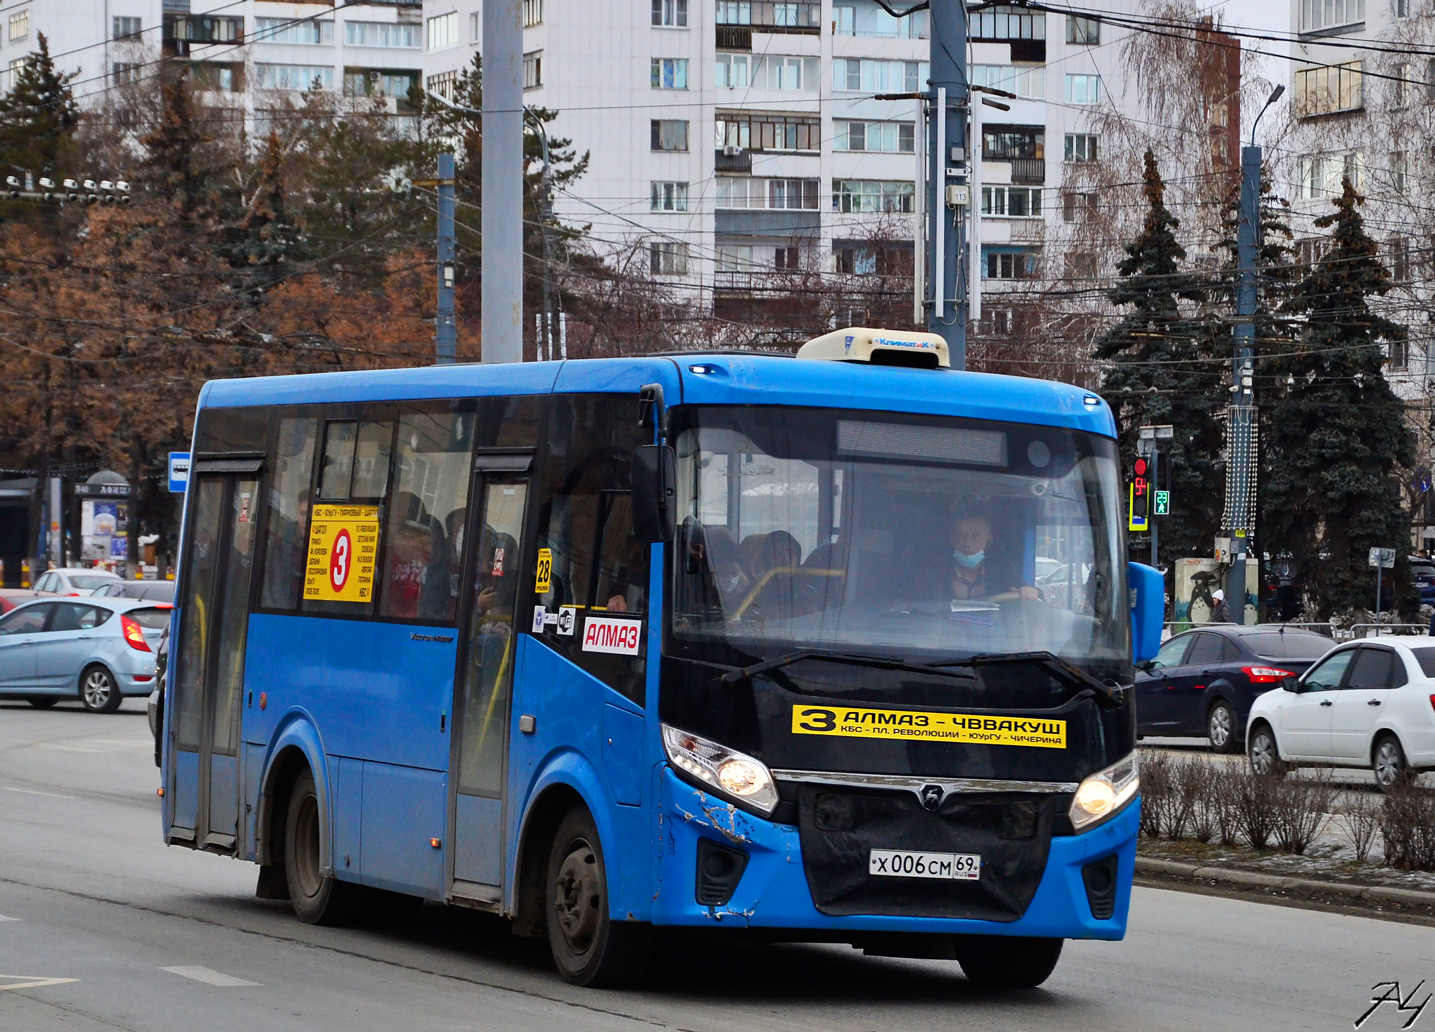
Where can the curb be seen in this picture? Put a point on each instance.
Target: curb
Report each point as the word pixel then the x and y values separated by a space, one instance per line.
pixel 1255 879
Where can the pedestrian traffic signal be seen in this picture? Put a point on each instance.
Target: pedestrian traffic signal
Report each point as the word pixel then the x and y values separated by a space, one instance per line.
pixel 1161 503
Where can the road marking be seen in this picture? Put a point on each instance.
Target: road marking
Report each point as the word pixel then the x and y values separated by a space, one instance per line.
pixel 31 791
pixel 65 748
pixel 31 982
pixel 206 975
pixel 4 918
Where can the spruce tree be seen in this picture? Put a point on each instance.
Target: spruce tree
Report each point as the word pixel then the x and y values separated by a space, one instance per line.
pixel 38 117
pixel 176 147
pixel 1337 440
pixel 1158 373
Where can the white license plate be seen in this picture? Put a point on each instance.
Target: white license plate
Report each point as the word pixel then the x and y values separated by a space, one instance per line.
pixel 901 863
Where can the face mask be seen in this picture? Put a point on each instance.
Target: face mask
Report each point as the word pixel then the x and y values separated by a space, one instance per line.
pixel 972 561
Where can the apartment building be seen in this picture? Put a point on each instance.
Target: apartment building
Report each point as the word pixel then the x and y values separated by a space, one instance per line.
pixel 251 54
pixel 1361 91
pixel 737 143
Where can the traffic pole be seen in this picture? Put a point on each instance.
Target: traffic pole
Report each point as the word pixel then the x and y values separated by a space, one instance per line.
pixel 445 329
pixel 501 238
pixel 946 220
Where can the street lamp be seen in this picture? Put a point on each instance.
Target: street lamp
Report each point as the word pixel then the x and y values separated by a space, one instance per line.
pixel 1276 95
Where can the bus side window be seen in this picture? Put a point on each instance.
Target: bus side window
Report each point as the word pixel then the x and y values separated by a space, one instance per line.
pixel 585 521
pixel 286 536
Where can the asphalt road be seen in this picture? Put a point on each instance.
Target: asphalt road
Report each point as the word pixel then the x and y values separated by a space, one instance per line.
pixel 137 936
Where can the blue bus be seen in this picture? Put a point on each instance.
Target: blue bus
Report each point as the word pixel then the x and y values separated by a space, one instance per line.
pixel 835 647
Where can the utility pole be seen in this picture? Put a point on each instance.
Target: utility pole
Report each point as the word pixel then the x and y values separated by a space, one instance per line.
pixel 951 192
pixel 1240 515
pixel 502 177
pixel 445 330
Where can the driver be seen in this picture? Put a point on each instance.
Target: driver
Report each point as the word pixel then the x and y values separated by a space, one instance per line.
pixel 976 575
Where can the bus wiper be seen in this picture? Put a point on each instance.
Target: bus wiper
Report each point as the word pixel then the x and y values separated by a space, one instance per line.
pixel 856 658
pixel 1059 668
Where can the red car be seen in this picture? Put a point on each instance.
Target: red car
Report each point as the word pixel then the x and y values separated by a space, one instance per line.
pixel 12 597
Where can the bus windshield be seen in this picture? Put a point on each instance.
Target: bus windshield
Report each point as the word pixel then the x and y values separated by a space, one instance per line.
pixel 828 529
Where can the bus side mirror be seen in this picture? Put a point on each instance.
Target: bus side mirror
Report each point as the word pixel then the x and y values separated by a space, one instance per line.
pixel 654 491
pixel 1148 609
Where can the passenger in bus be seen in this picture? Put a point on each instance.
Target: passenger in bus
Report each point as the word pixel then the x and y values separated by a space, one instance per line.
pixel 435 597
pixel 293 547
pixel 972 573
pixel 625 588
pixel 733 582
pixel 409 544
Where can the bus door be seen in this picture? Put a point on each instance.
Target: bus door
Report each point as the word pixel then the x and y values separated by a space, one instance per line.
pixel 209 655
pixel 482 687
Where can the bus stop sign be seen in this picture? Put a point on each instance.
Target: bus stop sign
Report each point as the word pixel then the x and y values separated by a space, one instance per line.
pixel 178 471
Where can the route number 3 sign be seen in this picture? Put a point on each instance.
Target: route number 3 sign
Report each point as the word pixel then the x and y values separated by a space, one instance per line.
pixel 343 546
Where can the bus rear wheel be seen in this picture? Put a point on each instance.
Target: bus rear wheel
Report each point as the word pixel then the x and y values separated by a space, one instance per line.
pixel 316 899
pixel 1007 961
pixel 589 948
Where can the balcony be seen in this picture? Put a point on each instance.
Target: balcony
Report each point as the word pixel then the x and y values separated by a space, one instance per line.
pixel 734 37
pixel 771 16
pixel 1030 171
pixel 739 162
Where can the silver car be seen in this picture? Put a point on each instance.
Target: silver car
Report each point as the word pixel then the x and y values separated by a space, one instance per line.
pixel 100 650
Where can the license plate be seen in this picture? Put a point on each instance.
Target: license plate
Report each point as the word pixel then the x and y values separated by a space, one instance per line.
pixel 901 863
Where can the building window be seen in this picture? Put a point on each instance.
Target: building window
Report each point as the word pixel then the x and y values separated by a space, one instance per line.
pixel 383 34
pixel 1328 88
pixel 532 69
pixel 294 77
pixel 1008 263
pixel 287 30
pixel 532 13
pixel 669 134
pixel 1321 174
pixel 863 195
pixel 125 27
pixel 767 72
pixel 1403 87
pixel 1399 259
pixel 475 28
pixel 1006 142
pixel 214 78
pixel 1083 89
pixel 767 132
pixel 19 25
pixel 770 14
pixel 999 24
pixel 669 73
pixel 671 13
pixel 203 28
pixel 735 259
pixel 742 192
pixel 379 82
pixel 871 76
pixel 1402 8
pixel 787 258
pixel 1027 83
pixel 1398 166
pixel 1316 15
pixel 1078 206
pixel 877 23
pixel 668 258
pixel 1080 147
pixel 443 31
pixel 884 137
pixel 123 73
pixel 1083 30
pixel 670 196
pixel 1012 202
pixel 1081 265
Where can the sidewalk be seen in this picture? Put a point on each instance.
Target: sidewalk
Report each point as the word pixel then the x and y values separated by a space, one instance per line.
pixel 1419 900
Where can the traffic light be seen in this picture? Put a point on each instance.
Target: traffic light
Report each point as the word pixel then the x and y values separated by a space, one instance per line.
pixel 1140 494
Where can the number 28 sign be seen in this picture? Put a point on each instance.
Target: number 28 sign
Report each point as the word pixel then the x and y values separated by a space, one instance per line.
pixel 343 545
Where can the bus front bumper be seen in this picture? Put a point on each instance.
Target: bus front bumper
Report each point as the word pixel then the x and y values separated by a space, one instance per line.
pixel 773 891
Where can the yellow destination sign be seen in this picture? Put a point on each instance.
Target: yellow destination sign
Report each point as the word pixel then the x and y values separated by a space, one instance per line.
pixel 913 726
pixel 343 547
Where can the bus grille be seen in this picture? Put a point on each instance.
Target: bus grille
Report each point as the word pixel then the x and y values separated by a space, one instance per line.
pixel 839 827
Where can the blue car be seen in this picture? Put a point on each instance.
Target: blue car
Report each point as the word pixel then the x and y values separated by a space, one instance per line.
pixel 1202 683
pixel 99 650
pixel 1422 572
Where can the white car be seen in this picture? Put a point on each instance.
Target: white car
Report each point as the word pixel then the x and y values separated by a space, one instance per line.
pixel 73 581
pixel 1368 703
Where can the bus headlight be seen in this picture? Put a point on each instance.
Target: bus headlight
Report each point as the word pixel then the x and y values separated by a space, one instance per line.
pixel 730 773
pixel 1103 793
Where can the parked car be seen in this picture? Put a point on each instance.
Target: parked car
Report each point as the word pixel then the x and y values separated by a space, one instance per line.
pixel 100 650
pixel 73 581
pixel 12 597
pixel 1369 703
pixel 1422 571
pixel 1202 682
pixel 154 590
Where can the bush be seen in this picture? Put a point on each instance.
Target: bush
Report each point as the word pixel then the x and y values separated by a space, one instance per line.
pixel 1302 810
pixel 1361 818
pixel 1205 782
pixel 1407 826
pixel 1155 792
pixel 1257 800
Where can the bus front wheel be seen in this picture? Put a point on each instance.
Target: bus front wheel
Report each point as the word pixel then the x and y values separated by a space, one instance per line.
pixel 316 899
pixel 589 948
pixel 1007 961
